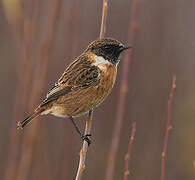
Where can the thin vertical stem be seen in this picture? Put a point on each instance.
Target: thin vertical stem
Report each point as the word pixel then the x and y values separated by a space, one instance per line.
pixel 122 93
pixel 104 15
pixel 128 155
pixel 83 152
pixel 169 127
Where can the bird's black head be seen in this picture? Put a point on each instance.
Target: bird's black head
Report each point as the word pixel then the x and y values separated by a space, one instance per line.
pixel 109 49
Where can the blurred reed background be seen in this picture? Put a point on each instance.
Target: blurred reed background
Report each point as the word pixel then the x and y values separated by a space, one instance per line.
pixel 40 38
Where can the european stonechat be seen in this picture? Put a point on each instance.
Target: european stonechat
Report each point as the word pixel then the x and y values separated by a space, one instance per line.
pixel 85 83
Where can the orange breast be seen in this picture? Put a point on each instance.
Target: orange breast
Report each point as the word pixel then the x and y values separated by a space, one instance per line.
pixel 79 102
pixel 94 96
pixel 107 81
pixel 91 97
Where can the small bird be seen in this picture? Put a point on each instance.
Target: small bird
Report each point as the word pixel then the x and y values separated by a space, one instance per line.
pixel 84 85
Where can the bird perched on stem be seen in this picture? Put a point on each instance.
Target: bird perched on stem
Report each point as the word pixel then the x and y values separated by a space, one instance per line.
pixel 84 85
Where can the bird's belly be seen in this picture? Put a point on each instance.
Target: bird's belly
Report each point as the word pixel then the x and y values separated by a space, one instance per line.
pixel 81 101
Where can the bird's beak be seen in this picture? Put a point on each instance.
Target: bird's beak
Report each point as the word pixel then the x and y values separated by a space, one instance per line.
pixel 122 48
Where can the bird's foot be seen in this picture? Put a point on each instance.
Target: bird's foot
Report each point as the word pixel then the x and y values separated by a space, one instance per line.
pixel 86 138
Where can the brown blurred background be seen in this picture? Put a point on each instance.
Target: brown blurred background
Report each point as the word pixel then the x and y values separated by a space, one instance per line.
pixel 40 38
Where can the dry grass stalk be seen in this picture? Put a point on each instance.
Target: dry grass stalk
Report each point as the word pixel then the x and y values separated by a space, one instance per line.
pixel 128 155
pixel 84 148
pixel 37 88
pixel 104 15
pixel 169 127
pixel 83 151
pixel 123 93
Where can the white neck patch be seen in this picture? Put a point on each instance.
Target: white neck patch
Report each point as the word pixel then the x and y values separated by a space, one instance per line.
pixel 101 62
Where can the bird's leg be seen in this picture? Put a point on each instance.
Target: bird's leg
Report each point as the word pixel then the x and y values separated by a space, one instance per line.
pixel 83 137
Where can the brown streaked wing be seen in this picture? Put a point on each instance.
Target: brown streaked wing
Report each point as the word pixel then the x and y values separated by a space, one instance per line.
pixel 51 96
pixel 81 76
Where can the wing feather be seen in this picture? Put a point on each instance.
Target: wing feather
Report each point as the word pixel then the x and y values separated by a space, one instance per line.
pixel 79 75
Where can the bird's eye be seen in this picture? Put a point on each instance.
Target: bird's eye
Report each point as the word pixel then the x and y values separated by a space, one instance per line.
pixel 107 47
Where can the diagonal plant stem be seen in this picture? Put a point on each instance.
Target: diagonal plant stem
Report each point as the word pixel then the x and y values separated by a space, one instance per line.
pixel 128 155
pixel 169 127
pixel 122 94
pixel 83 152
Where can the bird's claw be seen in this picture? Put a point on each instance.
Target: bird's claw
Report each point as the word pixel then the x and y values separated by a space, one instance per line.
pixel 85 138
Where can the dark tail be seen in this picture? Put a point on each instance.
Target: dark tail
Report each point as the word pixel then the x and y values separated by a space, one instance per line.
pixel 37 112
